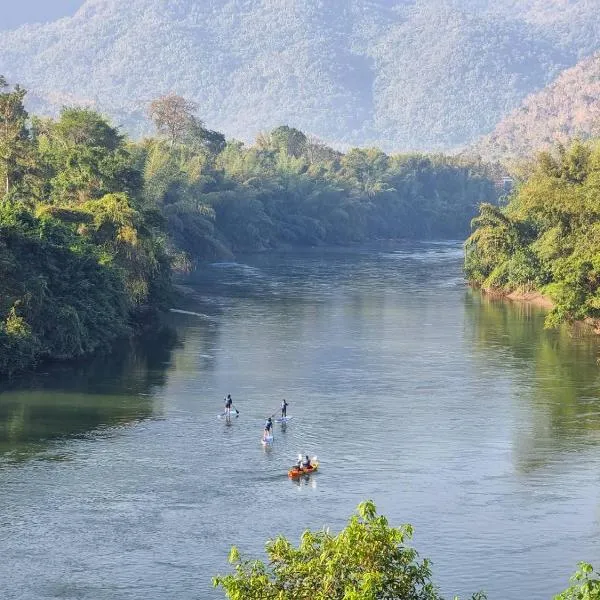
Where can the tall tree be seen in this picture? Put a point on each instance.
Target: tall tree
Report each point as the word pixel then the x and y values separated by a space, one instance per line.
pixel 289 140
pixel 15 145
pixel 173 116
pixel 85 157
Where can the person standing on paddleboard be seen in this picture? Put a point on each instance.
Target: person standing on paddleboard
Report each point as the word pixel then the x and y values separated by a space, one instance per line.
pixel 228 405
pixel 268 428
pixel 284 406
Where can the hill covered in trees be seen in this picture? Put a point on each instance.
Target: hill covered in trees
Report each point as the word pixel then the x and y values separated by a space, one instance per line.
pixel 568 108
pixel 400 74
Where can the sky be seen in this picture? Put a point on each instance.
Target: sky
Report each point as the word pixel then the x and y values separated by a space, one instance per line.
pixel 19 12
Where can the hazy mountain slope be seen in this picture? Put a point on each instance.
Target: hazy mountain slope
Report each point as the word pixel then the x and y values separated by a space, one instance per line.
pixel 569 107
pixel 412 74
pixel 573 23
pixel 456 74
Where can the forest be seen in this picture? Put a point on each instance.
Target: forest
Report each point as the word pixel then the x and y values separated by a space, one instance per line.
pixel 546 239
pixel 93 224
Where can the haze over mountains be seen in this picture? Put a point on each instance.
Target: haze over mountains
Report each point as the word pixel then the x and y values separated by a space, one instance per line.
pixel 401 74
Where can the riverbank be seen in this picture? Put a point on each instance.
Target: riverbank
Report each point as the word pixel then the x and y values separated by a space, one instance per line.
pixel 531 297
pixel 537 299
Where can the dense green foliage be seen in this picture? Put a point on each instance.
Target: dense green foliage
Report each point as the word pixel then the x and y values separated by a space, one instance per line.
pixel 287 189
pixel 585 586
pixel 399 74
pixel 368 560
pixel 80 256
pixel 547 238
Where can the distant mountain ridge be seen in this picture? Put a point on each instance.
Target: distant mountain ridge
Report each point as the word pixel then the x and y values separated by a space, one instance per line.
pixel 400 74
pixel 568 108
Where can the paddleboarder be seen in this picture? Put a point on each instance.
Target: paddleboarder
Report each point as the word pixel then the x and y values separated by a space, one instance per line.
pixel 268 428
pixel 228 405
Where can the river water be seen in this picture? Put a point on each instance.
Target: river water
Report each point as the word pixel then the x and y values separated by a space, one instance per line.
pixel 455 413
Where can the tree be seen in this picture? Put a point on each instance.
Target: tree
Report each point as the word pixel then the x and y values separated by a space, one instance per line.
pixel 85 127
pixel 366 169
pixel 85 157
pixel 173 116
pixel 288 140
pixel 196 136
pixel 15 146
pixel 584 587
pixel 368 560
pixel 316 151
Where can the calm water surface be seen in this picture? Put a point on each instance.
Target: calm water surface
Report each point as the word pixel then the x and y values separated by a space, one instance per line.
pixel 458 414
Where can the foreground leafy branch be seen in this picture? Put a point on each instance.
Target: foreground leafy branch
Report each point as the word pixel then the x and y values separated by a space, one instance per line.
pixel 585 585
pixel 368 560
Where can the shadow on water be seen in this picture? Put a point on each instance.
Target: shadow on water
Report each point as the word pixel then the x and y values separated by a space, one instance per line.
pixel 557 370
pixel 65 401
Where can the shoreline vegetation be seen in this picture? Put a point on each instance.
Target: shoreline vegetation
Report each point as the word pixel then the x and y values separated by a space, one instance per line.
pixel 93 224
pixel 368 559
pixel 543 245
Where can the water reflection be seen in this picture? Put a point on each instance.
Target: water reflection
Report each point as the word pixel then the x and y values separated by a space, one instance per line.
pixel 556 371
pixel 71 401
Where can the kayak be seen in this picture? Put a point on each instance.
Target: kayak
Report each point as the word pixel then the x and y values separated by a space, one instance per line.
pixel 283 419
pixel 296 472
pixel 267 441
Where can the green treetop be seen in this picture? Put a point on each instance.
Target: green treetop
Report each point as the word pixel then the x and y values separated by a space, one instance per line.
pixel 368 560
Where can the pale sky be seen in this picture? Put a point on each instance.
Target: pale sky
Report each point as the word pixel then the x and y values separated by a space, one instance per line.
pixel 18 12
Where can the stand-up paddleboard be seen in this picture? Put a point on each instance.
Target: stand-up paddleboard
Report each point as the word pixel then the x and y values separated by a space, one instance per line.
pixel 284 419
pixel 224 415
pixel 267 441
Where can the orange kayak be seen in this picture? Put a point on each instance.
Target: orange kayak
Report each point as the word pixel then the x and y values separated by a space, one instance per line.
pixel 295 472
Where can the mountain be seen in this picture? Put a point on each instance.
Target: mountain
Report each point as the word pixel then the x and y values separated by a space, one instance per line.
pixel 400 74
pixel 567 108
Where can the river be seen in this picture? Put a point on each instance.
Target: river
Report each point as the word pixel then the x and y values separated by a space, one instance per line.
pixel 458 414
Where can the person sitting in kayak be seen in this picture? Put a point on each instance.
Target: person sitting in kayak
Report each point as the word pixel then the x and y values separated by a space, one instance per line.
pixel 228 404
pixel 306 463
pixel 268 427
pixel 284 406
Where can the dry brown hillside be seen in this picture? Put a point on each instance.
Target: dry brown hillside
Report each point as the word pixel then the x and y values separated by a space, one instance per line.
pixel 567 108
